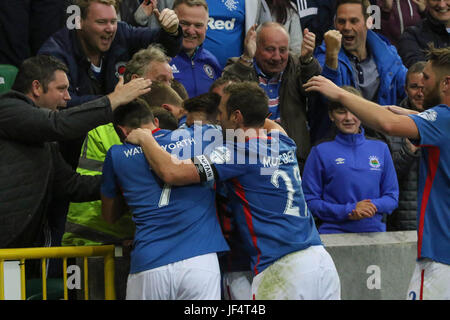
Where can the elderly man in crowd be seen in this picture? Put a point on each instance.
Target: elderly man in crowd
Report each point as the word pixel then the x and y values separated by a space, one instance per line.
pixel 267 61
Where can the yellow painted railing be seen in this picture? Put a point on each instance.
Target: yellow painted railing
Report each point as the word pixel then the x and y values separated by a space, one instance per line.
pixel 22 254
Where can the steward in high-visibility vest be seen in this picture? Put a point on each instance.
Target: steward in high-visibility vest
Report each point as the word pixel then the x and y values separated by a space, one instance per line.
pixel 85 224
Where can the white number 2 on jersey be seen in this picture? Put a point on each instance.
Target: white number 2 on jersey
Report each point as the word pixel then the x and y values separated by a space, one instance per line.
pixel 290 208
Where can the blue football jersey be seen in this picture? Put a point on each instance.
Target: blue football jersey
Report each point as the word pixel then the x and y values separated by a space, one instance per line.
pixel 172 223
pixel 433 216
pixel 226 29
pixel 266 197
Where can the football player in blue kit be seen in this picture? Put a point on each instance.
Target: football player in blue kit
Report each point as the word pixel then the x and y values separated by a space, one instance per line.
pixel 430 130
pixel 177 236
pixel 261 171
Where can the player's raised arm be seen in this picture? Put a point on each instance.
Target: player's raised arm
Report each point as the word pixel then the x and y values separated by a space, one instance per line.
pixel 370 113
pixel 168 167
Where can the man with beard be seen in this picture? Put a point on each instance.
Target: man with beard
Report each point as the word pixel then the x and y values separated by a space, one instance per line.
pixel 406 157
pixel 431 131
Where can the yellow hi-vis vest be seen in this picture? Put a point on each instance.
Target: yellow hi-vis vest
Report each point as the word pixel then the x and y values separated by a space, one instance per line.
pixel 85 224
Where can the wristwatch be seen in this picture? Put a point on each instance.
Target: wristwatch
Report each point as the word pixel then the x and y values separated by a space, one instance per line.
pixel 246 60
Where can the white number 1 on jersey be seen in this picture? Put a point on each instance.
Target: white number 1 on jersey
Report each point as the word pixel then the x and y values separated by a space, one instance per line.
pixel 165 196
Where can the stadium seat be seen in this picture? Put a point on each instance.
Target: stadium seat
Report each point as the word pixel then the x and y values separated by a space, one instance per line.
pixel 7 76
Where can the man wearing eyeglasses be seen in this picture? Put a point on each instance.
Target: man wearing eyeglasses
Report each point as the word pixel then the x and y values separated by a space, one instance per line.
pixel 356 56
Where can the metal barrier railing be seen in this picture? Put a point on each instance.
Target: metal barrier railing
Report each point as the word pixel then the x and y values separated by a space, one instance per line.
pixel 22 254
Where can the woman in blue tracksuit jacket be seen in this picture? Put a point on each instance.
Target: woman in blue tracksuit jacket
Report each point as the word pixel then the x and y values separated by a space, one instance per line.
pixel 346 170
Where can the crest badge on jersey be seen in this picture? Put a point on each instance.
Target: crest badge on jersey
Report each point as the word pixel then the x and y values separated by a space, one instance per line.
pixel 374 162
pixel 429 115
pixel 230 4
pixel 208 70
pixel 220 155
pixel 120 69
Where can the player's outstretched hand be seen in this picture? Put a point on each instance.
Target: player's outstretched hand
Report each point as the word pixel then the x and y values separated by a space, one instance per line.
pixel 324 86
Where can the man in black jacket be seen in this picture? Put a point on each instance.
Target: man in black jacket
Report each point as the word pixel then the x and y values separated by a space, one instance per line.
pixel 32 171
pixel 433 29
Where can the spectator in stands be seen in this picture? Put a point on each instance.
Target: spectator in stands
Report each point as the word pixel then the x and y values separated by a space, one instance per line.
pixel 414 87
pixel 85 225
pixel 349 181
pixel 317 16
pixel 267 61
pixel 97 53
pixel 144 13
pixel 356 56
pixel 149 63
pixel 434 28
pixel 25 25
pixel 33 173
pixel 406 157
pixel 228 23
pixel 285 12
pixel 195 67
pixel 397 15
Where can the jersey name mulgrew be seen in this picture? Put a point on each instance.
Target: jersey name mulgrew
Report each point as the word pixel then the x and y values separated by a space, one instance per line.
pixel 286 157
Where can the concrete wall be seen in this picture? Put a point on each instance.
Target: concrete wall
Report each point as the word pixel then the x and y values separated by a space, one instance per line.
pixel 371 266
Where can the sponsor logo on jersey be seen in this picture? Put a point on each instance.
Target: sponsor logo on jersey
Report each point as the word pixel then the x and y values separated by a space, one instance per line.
pixel 120 68
pixel 208 70
pixel 174 69
pixel 429 115
pixel 374 162
pixel 221 24
pixel 340 160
